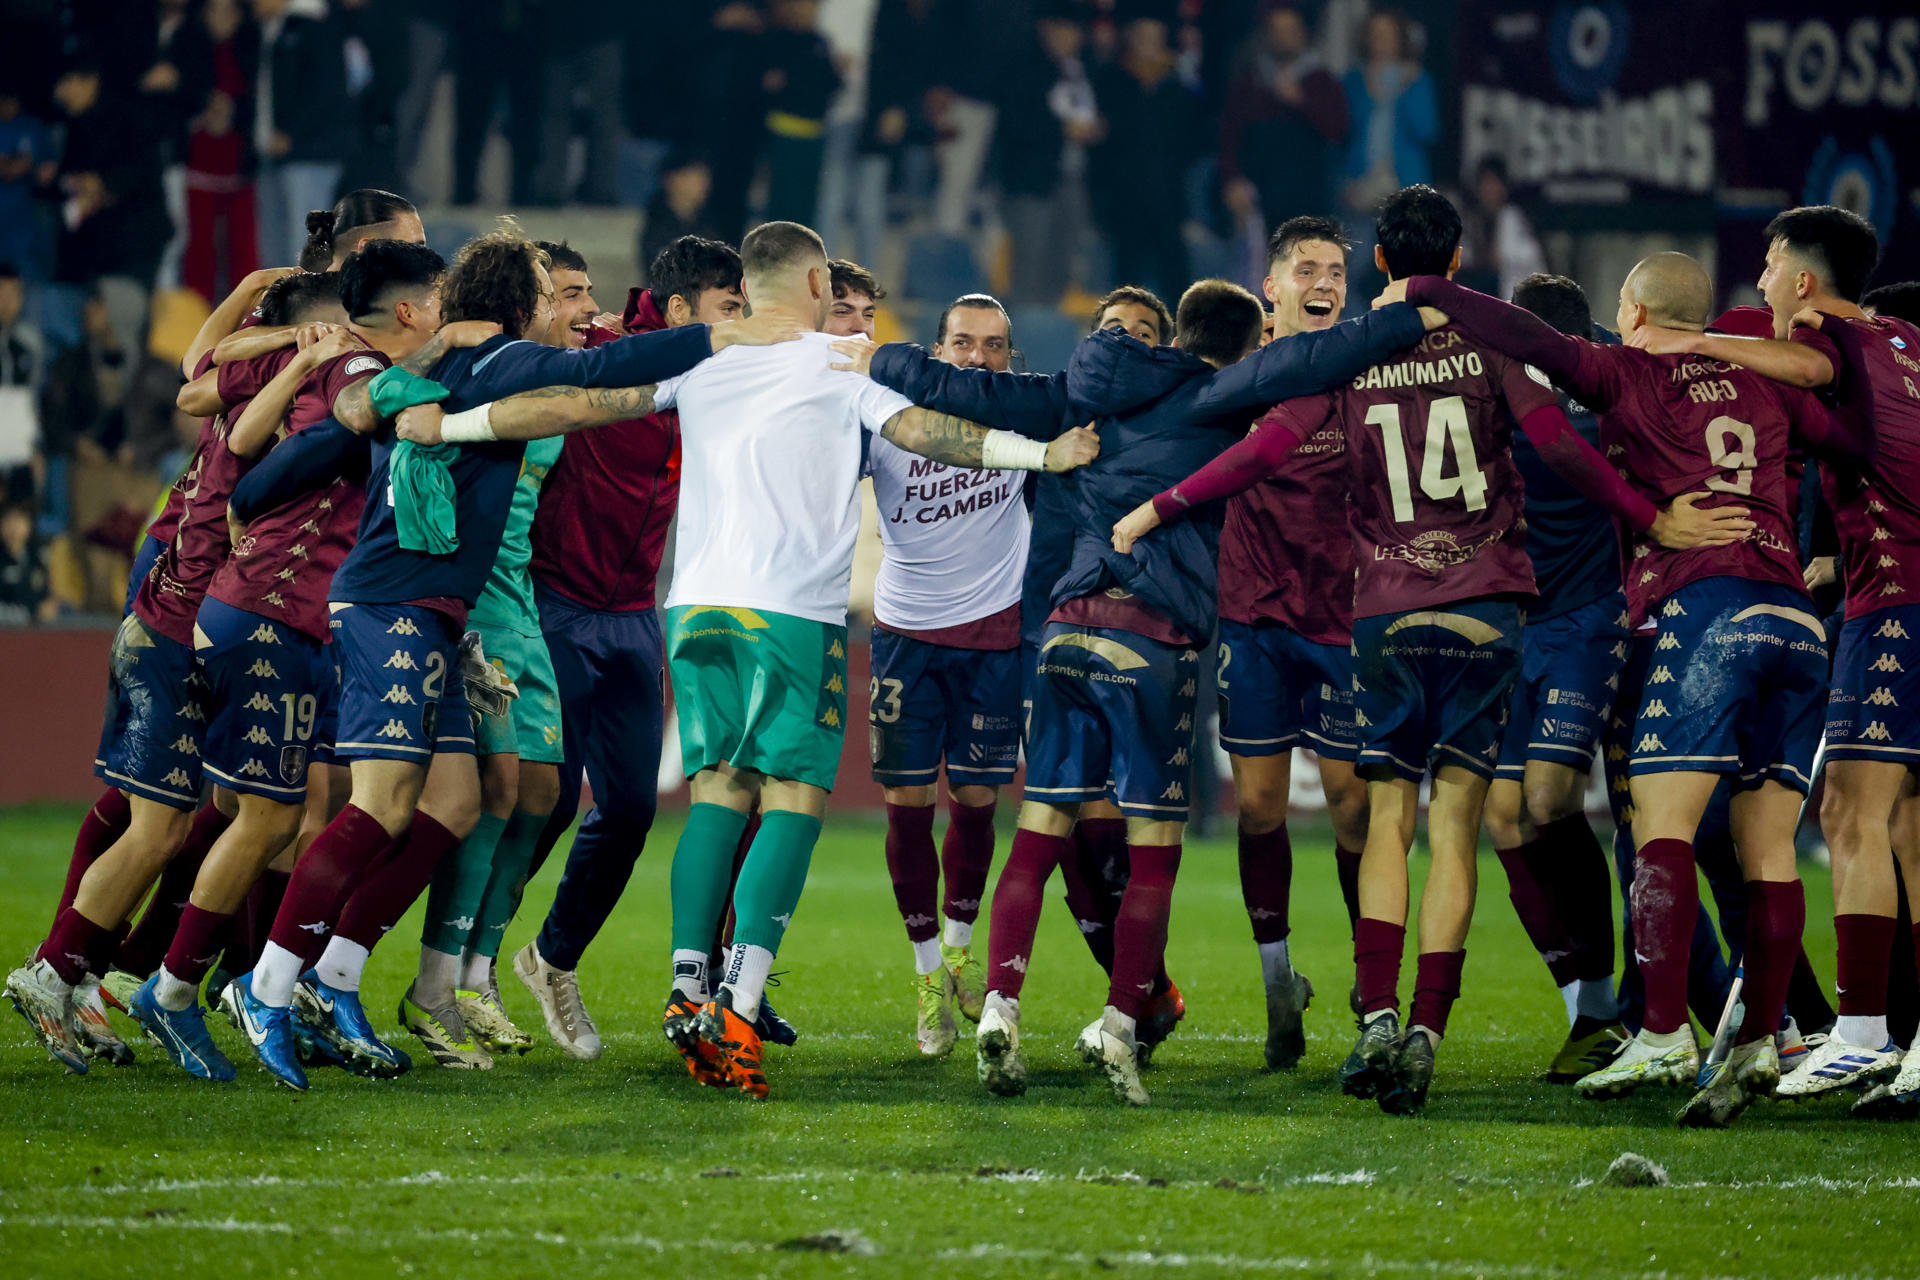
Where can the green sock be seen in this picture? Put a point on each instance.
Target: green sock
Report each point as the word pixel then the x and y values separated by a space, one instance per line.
pixel 771 879
pixel 453 898
pixel 702 866
pixel 506 881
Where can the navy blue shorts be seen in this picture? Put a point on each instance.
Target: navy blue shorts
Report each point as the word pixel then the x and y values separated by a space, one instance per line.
pixel 1736 683
pixel 327 727
pixel 1569 677
pixel 1431 687
pixel 1280 690
pixel 932 702
pixel 156 720
pixel 265 682
pixel 1873 712
pixel 401 695
pixel 1112 718
pixel 150 549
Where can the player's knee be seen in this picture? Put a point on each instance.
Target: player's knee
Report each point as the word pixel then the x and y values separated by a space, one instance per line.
pixel 539 788
pixel 1548 801
pixel 1845 823
pixel 266 825
pixel 974 796
pixel 1503 827
pixel 499 784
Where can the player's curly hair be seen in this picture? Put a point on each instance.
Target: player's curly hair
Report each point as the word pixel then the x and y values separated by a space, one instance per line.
pixel 493 278
pixel 847 277
pixel 1139 297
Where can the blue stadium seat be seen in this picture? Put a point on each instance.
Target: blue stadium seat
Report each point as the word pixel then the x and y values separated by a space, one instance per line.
pixel 445 235
pixel 1045 336
pixel 940 268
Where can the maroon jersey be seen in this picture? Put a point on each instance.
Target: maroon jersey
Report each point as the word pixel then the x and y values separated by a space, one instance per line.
pixel 167 523
pixel 170 597
pixel 1876 503
pixel 1436 500
pixel 1285 553
pixel 283 566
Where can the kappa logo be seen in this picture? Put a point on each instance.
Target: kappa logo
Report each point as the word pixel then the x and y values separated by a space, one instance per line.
pixel 1651 742
pixel 1087 927
pixel 192 711
pixel 1886 662
pixel 1184 723
pixel 178 778
pixel 1360 719
pixel 1620 650
pixel 265 634
pixel 1882 697
pixel 784 921
pixel 275 599
pixel 1144 987
pixel 185 743
pixel 398 694
pixel 394 729
pixel 1661 675
pixel 286 575
pixel 1656 709
pixel 836 684
pixel 311 526
pixel 836 650
pixel 317 928
pixel 1616 753
pixel 1622 784
pixel 917 921
pixel 1018 963
pixel 401 661
pixel 1174 792
pixel 1668 641
pixel 1673 610
pixel 462 923
pixel 253 769
pixel 1893 589
pixel 258 737
pixel 1180 757
pixel 404 627
pixel 1262 913
pixel 966 904
pixel 1647 577
pixel 1880 535
pixel 831 719
pixel 1891 630
pixel 1876 732
pixel 1185 690
pixel 298 551
pixel 1875 507
pixel 1887 562
pixel 264 669
pixel 1613 682
pixel 259 702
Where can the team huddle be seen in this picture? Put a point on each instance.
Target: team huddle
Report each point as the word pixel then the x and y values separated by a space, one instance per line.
pixel 403 601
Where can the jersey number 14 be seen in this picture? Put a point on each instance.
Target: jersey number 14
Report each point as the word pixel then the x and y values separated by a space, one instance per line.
pixel 1446 424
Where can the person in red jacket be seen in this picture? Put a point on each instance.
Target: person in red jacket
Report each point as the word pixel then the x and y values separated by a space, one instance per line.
pixel 598 539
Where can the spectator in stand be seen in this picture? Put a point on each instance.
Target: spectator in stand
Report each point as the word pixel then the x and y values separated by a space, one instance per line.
pixel 1041 156
pixel 220 62
pixel 581 70
pixel 24 150
pixel 86 390
pixel 1395 119
pixel 1499 248
pixel 375 42
pixel 1282 124
pixel 799 83
pixel 113 217
pixel 1138 172
pixel 731 138
pixel 679 206
pixel 896 140
pixel 25 596
pixel 302 120
pixel 22 469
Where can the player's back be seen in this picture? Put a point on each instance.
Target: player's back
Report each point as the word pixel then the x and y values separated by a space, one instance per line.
pixel 1436 499
pixel 1876 508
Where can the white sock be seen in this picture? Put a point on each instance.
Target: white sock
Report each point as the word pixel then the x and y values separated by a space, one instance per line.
pixel 274 976
pixel 1667 1039
pixel 175 994
pixel 476 973
pixel 433 988
pixel 1596 1000
pixel 690 974
pixel 957 933
pixel 1570 995
pixel 1275 961
pixel 926 955
pixel 1868 1033
pixel 747 970
pixel 1429 1032
pixel 1125 1020
pixel 342 963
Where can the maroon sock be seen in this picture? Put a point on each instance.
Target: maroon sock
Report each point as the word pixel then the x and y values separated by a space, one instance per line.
pixel 1862 943
pixel 1436 985
pixel 384 896
pixel 1016 908
pixel 197 944
pixel 72 946
pixel 326 873
pixel 1376 960
pixel 1580 877
pixel 105 822
pixel 1140 931
pixel 1100 845
pixel 1347 863
pixel 1088 917
pixel 151 939
pixel 1666 898
pixel 966 858
pixel 1266 882
pixel 1528 885
pixel 256 919
pixel 914 868
pixel 1776 917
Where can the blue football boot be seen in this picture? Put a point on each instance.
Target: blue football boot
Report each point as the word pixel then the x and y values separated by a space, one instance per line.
pixel 267 1028
pixel 181 1033
pixel 337 1020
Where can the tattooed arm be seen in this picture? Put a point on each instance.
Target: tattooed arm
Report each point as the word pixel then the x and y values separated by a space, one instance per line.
pixel 353 407
pixel 531 415
pixel 960 443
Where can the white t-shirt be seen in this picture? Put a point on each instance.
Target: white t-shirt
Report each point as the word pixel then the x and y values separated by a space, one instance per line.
pixel 769 477
pixel 956 540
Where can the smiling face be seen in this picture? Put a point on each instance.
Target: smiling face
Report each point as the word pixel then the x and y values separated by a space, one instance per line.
pixel 977 338
pixel 1308 287
pixel 1780 285
pixel 850 313
pixel 573 307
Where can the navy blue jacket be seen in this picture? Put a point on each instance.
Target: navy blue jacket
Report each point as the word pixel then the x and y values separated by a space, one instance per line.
pixel 1571 539
pixel 1030 404
pixel 379 570
pixel 307 460
pixel 1162 415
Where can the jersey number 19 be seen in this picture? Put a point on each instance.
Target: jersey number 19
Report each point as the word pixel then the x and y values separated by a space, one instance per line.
pixel 1446 424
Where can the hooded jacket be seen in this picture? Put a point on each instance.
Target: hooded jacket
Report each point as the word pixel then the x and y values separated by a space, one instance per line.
pixel 1162 414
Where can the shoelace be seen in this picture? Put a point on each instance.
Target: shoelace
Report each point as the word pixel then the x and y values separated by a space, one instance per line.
pixel 566 994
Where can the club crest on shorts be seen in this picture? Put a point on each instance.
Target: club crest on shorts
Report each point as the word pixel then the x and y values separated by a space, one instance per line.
pixel 293 764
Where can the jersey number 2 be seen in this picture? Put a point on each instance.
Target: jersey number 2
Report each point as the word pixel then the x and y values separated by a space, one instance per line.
pixel 1446 424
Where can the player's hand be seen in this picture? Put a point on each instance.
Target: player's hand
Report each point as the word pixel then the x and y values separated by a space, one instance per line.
pixel 611 323
pixel 767 325
pixel 858 350
pixel 257 281
pixel 1685 524
pixel 235 530
pixel 307 335
pixel 467 333
pixel 337 341
pixel 1073 448
pixel 1663 342
pixel 1821 571
pixel 1133 526
pixel 1434 317
pixel 420 423
pixel 1396 291
pixel 1807 318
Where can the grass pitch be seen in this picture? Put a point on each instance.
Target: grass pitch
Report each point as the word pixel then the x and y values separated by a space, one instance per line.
pixel 871 1161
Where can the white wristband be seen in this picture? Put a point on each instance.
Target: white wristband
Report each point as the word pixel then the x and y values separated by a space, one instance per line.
pixel 469 426
pixel 1005 451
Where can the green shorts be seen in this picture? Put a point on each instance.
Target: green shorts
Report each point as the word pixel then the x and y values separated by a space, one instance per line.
pixel 531 727
pixel 758 690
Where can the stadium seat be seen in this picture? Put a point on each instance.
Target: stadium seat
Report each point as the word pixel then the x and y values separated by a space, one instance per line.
pixel 940 268
pixel 1045 336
